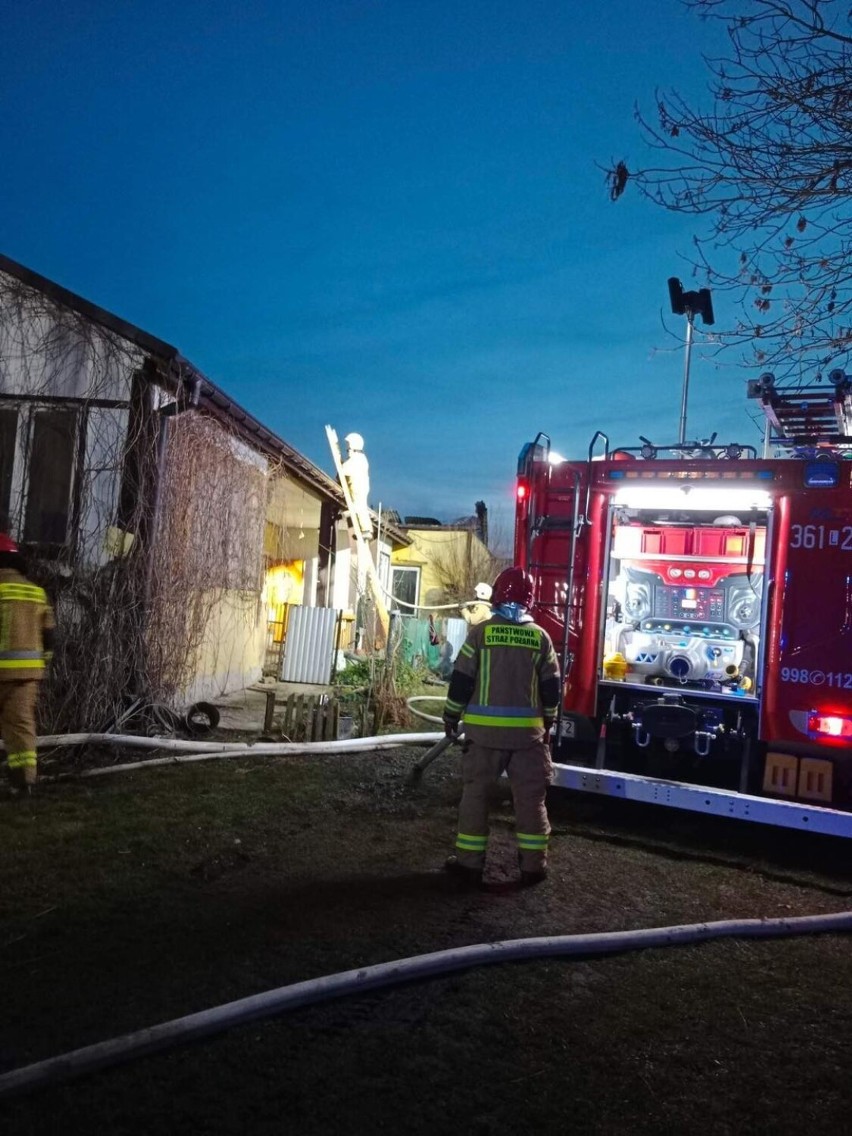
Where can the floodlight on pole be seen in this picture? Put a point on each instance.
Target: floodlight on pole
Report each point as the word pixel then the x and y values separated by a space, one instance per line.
pixel 689 304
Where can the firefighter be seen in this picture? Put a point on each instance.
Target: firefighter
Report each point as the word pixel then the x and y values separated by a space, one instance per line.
pixel 356 470
pixel 506 686
pixel 26 643
pixel 479 609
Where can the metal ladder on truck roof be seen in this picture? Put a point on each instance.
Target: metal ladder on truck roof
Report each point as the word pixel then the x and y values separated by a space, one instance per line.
pixel 818 417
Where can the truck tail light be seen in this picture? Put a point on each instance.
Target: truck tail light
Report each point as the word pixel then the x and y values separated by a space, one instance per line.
pixel 829 725
pixel 523 490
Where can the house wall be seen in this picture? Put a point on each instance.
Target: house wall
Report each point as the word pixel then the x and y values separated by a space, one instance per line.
pixel 52 352
pixel 208 560
pixel 105 435
pixel 46 349
pixel 48 353
pixel 346 584
pixel 344 589
pixel 94 484
pixel 237 636
pixel 292 530
pixel 230 655
pixel 432 547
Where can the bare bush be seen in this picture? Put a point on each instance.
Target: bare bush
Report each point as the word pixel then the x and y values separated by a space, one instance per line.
pixel 460 565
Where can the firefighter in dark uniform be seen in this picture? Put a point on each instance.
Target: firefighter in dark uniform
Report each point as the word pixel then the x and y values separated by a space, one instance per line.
pixel 26 643
pixel 506 687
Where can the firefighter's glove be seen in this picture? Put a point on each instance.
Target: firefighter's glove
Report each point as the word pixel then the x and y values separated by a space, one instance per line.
pixel 549 724
pixel 451 727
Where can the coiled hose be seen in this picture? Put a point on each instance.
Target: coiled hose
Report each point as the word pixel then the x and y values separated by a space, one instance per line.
pixel 425 698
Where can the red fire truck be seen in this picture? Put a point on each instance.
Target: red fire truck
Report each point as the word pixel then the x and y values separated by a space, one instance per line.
pixel 701 598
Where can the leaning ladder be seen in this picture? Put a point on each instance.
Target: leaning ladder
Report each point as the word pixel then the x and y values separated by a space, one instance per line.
pixel 366 564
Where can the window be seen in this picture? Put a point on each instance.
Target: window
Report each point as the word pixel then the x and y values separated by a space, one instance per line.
pixel 405 586
pixel 8 433
pixel 139 473
pixel 53 435
pixel 383 569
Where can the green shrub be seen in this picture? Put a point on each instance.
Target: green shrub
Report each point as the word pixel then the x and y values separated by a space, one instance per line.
pixel 379 687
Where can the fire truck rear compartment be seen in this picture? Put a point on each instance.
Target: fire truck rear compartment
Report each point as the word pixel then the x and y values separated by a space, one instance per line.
pixel 680 645
pixel 684 603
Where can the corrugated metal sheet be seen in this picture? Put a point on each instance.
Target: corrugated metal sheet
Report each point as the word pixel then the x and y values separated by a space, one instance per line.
pixel 456 634
pixel 309 646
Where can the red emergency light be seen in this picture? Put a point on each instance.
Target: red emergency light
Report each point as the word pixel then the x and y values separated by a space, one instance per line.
pixel 522 491
pixel 829 725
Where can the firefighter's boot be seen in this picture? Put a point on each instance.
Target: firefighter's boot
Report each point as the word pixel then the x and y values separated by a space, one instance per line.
pixel 468 877
pixel 531 876
pixel 530 879
pixel 18 782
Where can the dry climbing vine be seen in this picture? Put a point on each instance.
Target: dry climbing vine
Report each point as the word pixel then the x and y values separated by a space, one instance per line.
pixel 158 532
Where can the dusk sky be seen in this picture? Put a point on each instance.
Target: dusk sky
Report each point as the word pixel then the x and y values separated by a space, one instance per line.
pixel 383 214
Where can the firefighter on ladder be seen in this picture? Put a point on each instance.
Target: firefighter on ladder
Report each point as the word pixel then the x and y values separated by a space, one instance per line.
pixel 356 470
pixel 506 686
pixel 26 643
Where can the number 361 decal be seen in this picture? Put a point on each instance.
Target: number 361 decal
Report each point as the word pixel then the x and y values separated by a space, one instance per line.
pixel 821 536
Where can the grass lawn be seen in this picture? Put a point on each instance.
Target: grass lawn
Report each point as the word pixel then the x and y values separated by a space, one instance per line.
pixel 132 899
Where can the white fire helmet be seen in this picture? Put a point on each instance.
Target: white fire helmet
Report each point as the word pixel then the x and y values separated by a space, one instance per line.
pixel 483 592
pixel 354 441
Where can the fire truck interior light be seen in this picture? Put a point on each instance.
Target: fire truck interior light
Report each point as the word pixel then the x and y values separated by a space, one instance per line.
pixel 722 499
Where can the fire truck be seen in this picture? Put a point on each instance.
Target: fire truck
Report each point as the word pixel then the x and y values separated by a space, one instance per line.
pixel 700 596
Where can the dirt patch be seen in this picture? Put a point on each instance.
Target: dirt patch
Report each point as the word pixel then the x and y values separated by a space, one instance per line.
pixel 134 899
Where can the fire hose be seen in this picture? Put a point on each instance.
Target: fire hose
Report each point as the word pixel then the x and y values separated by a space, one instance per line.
pixel 184 752
pixel 440 747
pixel 188 751
pixel 193 1027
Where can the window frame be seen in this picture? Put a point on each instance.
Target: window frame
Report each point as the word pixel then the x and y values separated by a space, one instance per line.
pixel 38 417
pixel 13 413
pixel 409 569
pixel 27 410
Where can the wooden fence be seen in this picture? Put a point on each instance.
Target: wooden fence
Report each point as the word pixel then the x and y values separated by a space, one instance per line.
pixel 304 718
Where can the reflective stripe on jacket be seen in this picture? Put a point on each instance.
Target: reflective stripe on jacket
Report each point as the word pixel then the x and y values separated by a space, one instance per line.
pixel 505 683
pixel 25 615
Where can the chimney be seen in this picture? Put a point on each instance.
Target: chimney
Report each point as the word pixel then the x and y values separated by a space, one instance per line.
pixel 482 521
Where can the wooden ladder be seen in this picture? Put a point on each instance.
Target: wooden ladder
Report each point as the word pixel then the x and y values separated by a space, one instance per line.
pixel 364 557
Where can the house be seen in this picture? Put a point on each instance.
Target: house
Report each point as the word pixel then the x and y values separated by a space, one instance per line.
pixel 175 532
pixel 443 562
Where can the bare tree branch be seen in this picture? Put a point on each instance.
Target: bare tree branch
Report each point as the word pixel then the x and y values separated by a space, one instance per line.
pixel 769 166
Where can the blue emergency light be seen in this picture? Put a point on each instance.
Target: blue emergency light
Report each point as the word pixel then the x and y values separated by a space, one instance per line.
pixel 822 474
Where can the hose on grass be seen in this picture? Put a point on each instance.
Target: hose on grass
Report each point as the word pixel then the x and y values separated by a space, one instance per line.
pixel 188 751
pixel 184 752
pixel 420 713
pixel 193 1027
pixel 180 745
